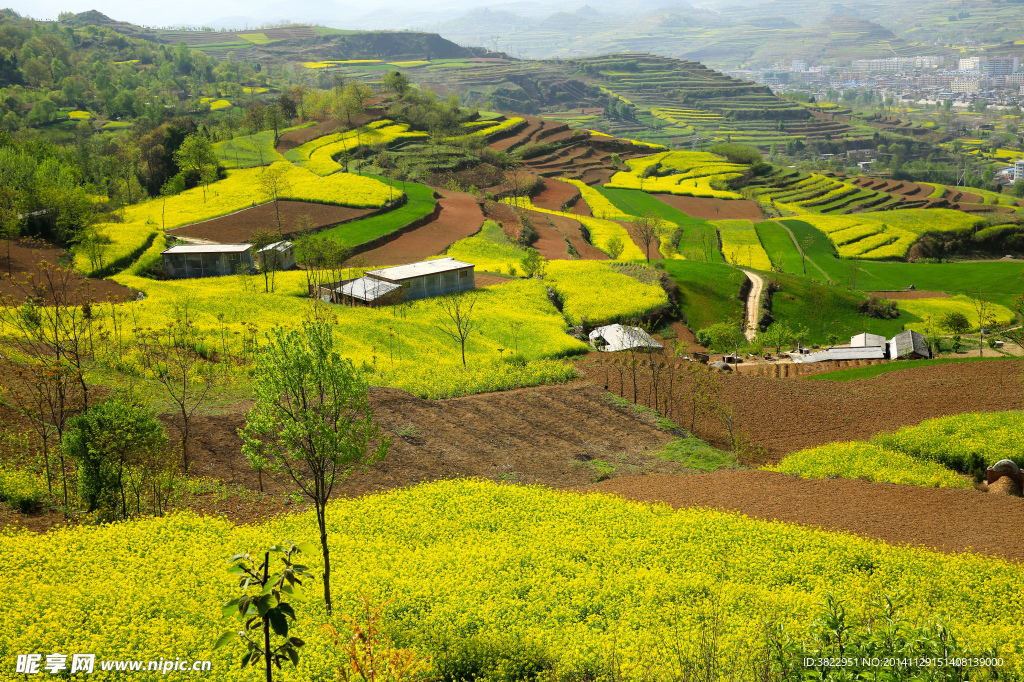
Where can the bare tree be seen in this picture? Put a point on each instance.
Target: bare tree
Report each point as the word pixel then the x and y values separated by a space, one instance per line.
pixel 647 228
pixel 46 327
pixel 173 356
pixel 983 307
pixel 274 182
pixel 457 321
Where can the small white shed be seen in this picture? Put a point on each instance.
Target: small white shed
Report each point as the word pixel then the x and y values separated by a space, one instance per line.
pixel 283 251
pixel 867 340
pixel 616 337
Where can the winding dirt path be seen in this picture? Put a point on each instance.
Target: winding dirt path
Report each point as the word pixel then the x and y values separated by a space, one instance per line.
pixel 753 305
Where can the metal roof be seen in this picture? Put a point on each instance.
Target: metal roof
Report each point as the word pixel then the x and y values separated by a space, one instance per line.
pixel 277 246
pixel 208 248
pixel 843 353
pixel 908 342
pixel 399 273
pixel 367 288
pixel 866 339
pixel 617 337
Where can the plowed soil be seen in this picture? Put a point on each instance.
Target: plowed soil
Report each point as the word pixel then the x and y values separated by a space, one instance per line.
pixel 326 126
pixel 555 195
pixel 783 415
pixel 909 295
pixel 714 209
pixel 460 217
pixel 240 226
pixel 550 242
pixel 937 518
pixel 573 232
pixel 546 434
pixel 26 259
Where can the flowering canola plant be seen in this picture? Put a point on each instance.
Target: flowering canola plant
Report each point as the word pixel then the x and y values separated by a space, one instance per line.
pixel 886 234
pixel 741 245
pixel 470 558
pixel 394 346
pixel 858 459
pixel 240 189
pixel 601 231
pixel 594 290
pixel 937 308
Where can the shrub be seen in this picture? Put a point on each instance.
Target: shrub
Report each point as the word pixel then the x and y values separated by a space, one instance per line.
pixel 737 153
pixel 879 308
pixel 482 659
pixel 22 490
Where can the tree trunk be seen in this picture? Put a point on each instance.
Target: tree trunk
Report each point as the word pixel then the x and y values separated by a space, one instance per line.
pixel 321 513
pixel 266 622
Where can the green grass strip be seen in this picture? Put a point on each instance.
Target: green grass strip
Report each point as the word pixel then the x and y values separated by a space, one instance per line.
pixel 420 202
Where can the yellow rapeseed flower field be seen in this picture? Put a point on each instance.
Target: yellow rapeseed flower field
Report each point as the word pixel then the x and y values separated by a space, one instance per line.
pixel 601 231
pixel 585 575
pixel 594 290
pixel 741 245
pixel 397 346
pixel 858 459
pixel 240 189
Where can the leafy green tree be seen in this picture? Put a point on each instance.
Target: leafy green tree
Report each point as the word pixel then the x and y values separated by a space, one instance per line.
pixel 614 247
pixel 262 609
pixel 105 441
pixel 312 418
pixel 955 322
pixel 532 263
pixel 397 82
pixel 196 155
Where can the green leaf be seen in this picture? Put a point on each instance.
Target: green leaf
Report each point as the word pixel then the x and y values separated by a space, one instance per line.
pixel 305 548
pixel 279 623
pixel 225 638
pixel 294 656
pixel 236 558
pixel 287 609
pixel 295 641
pixel 263 604
pixel 246 659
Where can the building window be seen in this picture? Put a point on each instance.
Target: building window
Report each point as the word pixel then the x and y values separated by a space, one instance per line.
pixel 463 273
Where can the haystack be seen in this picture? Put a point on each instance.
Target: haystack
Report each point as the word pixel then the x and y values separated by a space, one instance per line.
pixel 1005 486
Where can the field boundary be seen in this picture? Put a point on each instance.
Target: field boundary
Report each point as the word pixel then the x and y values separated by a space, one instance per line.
pixel 801 251
pixel 391 236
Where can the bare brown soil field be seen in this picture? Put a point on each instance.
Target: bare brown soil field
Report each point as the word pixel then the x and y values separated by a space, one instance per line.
pixel 555 195
pixel 550 242
pixel 523 136
pixel 25 267
pixel 326 126
pixel 705 208
pixel 572 230
pixel 545 434
pixel 782 415
pixel 460 217
pixel 943 519
pixel 909 295
pixel 240 226
pixel 506 216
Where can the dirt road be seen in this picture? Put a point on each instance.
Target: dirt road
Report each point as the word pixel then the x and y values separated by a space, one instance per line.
pixel 753 305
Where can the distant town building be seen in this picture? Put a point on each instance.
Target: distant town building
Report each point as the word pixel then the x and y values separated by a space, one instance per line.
pixel 798 65
pixel 1002 66
pixel 978 63
pixel 1018 170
